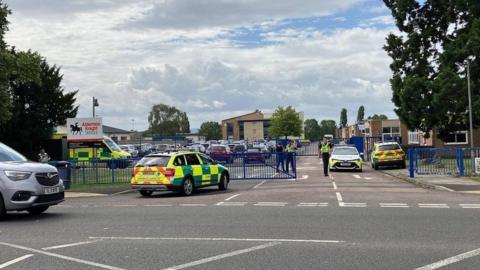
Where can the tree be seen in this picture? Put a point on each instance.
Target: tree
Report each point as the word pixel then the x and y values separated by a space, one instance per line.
pixel 327 127
pixel 312 130
pixel 167 120
pixel 34 86
pixel 429 55
pixel 360 114
pixel 343 118
pixel 210 130
pixel 378 117
pixel 285 122
pixel 5 98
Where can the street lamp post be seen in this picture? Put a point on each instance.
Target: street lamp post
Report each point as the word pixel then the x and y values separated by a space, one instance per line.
pixel 470 104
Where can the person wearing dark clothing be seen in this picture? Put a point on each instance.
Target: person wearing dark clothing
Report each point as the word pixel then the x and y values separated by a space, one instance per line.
pixel 325 149
pixel 280 157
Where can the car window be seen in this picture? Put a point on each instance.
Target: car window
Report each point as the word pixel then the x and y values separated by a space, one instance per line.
pixel 192 159
pixel 154 161
pixel 345 151
pixel 179 161
pixel 388 147
pixel 206 160
pixel 8 154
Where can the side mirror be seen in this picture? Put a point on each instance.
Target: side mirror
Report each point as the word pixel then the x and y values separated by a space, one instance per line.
pixel 214 162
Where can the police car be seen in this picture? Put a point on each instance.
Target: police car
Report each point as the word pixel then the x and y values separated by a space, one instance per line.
pixel 387 154
pixel 345 157
pixel 182 171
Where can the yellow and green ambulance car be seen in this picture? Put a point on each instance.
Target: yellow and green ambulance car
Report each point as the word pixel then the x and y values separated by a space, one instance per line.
pixel 102 150
pixel 182 171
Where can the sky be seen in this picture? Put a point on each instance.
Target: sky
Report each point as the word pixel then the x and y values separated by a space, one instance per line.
pixel 213 59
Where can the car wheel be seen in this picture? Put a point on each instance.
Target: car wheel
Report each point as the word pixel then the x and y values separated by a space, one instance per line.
pixel 37 210
pixel 403 165
pixel 223 184
pixel 360 170
pixel 187 186
pixel 375 166
pixel 3 211
pixel 146 193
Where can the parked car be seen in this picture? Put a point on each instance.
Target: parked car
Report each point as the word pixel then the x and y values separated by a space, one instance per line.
pixel 130 148
pixel 387 154
pixel 25 185
pixel 239 148
pixel 182 172
pixel 254 154
pixel 220 153
pixel 196 148
pixel 264 150
pixel 345 157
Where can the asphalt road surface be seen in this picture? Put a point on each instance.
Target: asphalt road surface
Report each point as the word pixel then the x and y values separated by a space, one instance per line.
pixel 346 221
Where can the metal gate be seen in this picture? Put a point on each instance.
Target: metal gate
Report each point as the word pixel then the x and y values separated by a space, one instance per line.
pixel 245 166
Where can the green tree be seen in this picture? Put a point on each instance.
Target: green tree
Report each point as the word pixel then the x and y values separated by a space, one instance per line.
pixel 327 127
pixel 210 130
pixel 378 117
pixel 5 98
pixel 343 118
pixel 429 55
pixel 285 122
pixel 167 120
pixel 312 130
pixel 361 114
pixel 34 87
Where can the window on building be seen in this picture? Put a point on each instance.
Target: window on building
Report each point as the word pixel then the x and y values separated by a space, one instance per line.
pixel 229 129
pixel 123 138
pixel 413 137
pixel 241 130
pixel 459 137
pixel 390 133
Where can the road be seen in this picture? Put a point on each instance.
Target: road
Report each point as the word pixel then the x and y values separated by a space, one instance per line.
pixel 346 221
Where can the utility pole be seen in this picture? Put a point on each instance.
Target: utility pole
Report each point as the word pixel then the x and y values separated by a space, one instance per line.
pixel 94 104
pixel 470 104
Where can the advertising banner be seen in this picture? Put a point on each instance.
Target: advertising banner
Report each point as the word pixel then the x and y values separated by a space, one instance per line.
pixel 84 129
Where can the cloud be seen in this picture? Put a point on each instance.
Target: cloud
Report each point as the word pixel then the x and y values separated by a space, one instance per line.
pixel 184 55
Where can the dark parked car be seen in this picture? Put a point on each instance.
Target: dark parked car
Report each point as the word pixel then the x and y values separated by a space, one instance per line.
pixel 220 153
pixel 254 154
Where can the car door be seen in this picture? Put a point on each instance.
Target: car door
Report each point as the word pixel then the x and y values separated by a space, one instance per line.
pixel 213 169
pixel 197 169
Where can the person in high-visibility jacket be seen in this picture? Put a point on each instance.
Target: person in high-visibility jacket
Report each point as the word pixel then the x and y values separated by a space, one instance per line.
pixel 291 149
pixel 325 149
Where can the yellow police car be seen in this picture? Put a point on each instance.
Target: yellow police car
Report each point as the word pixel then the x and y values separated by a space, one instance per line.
pixel 345 157
pixel 387 154
pixel 183 172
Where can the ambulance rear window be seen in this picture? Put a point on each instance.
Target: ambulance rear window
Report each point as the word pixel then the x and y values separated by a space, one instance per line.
pixel 388 147
pixel 154 161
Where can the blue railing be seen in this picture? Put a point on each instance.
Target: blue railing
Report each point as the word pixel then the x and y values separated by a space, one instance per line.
pixel 443 161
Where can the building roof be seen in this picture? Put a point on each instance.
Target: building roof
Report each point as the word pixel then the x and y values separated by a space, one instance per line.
pixel 255 112
pixel 109 129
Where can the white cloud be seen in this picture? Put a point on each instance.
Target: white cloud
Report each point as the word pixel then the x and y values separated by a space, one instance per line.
pixel 211 78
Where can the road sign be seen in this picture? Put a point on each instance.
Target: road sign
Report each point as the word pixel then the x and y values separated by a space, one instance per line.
pixel 84 128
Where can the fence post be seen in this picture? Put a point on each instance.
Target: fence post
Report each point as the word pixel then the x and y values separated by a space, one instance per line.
pixel 244 166
pixel 294 165
pixel 114 166
pixel 460 161
pixel 411 161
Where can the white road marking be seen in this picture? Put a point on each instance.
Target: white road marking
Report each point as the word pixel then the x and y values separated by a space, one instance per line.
pixel 469 205
pixel 67 258
pixel 259 184
pixel 354 205
pixel 231 197
pixel 19 259
pixel 124 205
pixel 330 176
pixel 357 176
pixel 339 197
pixel 394 205
pixel 368 178
pixel 304 177
pixel 69 245
pixel 192 204
pixel 306 168
pixel 334 185
pixel 271 204
pixel 122 192
pixel 433 205
pixel 222 256
pixel 157 205
pixel 231 203
pixel 220 239
pixel 313 204
pixel 451 260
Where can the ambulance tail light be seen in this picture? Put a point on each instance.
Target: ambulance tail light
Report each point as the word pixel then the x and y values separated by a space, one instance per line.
pixel 169 172
pixel 380 153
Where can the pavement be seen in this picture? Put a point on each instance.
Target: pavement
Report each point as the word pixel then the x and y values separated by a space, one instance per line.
pixel 349 220
pixel 440 182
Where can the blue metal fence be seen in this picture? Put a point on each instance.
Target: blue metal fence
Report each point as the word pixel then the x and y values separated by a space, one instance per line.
pixel 240 165
pixel 443 161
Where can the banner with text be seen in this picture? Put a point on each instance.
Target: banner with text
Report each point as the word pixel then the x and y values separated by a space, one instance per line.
pixel 84 128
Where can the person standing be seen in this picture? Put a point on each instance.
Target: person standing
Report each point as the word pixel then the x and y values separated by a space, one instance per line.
pixel 43 157
pixel 325 149
pixel 280 156
pixel 291 149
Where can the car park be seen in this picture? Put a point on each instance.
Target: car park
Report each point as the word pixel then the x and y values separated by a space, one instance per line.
pixel 196 148
pixel 387 154
pixel 239 148
pixel 254 155
pixel 220 153
pixel 345 157
pixel 182 172
pixel 27 186
pixel 130 148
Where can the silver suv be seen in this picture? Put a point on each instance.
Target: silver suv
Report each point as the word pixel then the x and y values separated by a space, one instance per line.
pixel 26 185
